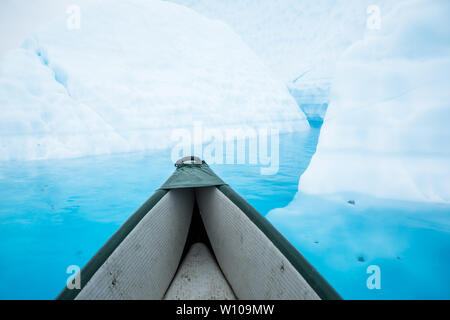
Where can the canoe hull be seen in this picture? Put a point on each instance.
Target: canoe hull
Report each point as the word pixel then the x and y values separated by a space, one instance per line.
pixel 143 259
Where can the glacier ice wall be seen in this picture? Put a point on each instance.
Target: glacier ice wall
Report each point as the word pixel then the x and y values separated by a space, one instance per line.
pixel 386 132
pixel 298 40
pixel 134 72
pixel 20 19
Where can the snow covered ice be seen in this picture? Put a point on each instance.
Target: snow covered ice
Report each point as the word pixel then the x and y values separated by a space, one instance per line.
pixel 21 18
pixel 300 41
pixel 386 131
pixel 293 37
pixel 122 84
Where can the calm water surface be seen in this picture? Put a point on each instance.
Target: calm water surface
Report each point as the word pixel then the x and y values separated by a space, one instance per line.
pixel 58 213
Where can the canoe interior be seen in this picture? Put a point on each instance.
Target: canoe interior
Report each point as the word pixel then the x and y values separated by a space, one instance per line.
pixel 196 243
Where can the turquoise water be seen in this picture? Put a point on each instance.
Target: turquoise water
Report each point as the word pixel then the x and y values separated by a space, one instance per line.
pixel 409 242
pixel 58 213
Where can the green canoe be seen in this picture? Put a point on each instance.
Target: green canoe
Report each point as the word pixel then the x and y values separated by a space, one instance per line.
pixel 196 238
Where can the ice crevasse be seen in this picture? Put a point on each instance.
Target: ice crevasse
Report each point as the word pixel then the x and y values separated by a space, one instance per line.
pixel 132 73
pixel 386 132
